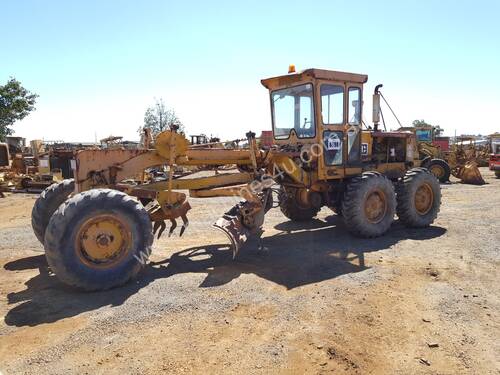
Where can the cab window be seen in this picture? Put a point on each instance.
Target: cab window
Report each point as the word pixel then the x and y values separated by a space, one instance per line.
pixel 293 109
pixel 354 106
pixel 332 104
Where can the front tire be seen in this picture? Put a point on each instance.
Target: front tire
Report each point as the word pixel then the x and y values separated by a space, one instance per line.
pixel 99 239
pixel 368 205
pixel 419 198
pixel 47 203
pixel 439 168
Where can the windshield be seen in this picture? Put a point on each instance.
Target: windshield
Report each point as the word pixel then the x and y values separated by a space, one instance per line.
pixel 293 109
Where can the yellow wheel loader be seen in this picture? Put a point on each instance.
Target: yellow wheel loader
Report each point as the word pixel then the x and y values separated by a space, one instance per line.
pixel 98 229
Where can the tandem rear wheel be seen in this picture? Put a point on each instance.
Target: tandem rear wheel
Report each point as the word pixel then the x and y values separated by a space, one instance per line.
pixel 291 206
pixel 369 205
pixel 418 197
pixel 370 202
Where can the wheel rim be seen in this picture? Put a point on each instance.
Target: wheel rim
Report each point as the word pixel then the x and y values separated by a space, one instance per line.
pixel 437 171
pixel 375 206
pixel 103 241
pixel 424 198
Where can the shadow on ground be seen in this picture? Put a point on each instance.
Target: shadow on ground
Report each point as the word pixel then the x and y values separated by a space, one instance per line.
pixel 300 254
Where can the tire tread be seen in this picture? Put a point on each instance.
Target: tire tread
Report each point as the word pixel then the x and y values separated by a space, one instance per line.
pixel 47 203
pixel 56 230
pixel 405 208
pixel 352 204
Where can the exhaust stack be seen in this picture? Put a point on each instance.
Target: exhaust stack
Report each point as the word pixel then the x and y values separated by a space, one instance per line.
pixel 376 107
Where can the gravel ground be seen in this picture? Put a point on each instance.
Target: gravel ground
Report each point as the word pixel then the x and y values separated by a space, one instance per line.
pixel 313 300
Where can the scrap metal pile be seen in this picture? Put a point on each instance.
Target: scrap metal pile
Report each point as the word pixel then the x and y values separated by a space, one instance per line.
pixel 31 168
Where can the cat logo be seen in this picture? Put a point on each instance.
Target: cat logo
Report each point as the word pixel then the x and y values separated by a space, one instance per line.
pixel 364 149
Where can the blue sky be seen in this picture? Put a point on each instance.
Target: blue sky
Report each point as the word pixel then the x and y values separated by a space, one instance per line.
pixel 97 65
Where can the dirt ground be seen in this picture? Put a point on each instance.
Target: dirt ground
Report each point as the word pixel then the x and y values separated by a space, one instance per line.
pixel 313 300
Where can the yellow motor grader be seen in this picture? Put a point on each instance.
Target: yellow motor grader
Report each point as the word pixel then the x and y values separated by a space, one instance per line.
pixel 98 229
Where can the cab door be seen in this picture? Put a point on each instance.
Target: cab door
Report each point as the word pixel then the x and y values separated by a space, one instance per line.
pixel 339 114
pixel 352 141
pixel 331 115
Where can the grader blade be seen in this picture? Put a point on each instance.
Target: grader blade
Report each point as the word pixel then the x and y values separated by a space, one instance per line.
pixel 234 230
pixel 469 174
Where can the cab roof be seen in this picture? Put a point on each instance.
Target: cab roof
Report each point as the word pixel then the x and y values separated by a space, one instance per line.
pixel 308 74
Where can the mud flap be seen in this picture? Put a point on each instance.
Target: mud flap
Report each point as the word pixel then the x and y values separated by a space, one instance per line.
pixel 234 230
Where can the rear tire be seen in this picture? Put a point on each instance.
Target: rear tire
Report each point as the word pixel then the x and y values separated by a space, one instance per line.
pixel 47 203
pixel 439 168
pixel 369 205
pixel 336 209
pixel 291 208
pixel 99 239
pixel 419 198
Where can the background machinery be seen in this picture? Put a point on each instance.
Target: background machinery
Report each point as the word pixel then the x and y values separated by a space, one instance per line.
pixel 431 152
pixel 460 160
pixel 494 160
pixel 98 229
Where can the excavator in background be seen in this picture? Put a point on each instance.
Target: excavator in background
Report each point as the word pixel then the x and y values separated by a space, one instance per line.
pixel 98 228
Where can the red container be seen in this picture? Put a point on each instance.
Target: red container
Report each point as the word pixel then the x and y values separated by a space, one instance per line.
pixel 266 138
pixel 442 142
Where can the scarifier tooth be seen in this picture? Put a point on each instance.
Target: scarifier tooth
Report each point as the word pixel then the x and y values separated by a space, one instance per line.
pixel 172 228
pixel 185 223
pixel 183 228
pixel 159 227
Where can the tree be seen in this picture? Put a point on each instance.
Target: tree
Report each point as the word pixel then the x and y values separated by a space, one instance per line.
pixel 421 124
pixel 160 118
pixel 15 104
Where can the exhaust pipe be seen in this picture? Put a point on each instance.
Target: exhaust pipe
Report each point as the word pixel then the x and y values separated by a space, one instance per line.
pixel 376 107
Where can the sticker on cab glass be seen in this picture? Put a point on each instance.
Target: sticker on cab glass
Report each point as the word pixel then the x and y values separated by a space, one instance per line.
pixel 333 142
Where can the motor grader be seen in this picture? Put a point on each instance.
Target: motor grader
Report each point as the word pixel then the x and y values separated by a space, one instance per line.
pixel 98 229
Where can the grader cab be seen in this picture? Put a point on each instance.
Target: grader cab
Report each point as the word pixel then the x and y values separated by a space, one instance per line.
pixel 98 229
